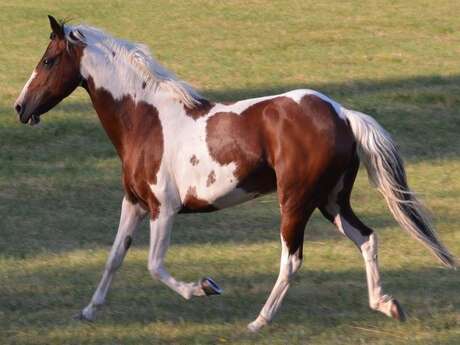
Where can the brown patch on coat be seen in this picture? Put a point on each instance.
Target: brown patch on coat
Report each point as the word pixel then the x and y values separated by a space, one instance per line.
pixel 241 139
pixel 300 149
pixel 211 178
pixel 194 161
pixel 136 132
pixel 199 110
pixel 194 204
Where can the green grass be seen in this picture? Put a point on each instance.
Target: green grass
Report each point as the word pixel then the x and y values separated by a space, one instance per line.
pixel 60 187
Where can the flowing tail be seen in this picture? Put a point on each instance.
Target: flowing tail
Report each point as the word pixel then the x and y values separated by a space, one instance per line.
pixel 386 170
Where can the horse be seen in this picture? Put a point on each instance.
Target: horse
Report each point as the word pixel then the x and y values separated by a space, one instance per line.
pixel 183 153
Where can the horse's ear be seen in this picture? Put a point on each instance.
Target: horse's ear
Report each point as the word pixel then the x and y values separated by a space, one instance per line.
pixel 56 27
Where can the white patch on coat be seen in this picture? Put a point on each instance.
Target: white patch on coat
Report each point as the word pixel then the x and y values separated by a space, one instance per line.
pixel 107 60
pixel 183 138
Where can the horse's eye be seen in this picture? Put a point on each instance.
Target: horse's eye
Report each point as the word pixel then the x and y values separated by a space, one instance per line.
pixel 48 62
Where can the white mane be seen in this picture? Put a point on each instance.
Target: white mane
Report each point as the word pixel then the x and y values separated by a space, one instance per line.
pixel 135 58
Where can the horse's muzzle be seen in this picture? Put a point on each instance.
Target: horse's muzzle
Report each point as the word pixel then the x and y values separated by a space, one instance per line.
pixel 25 116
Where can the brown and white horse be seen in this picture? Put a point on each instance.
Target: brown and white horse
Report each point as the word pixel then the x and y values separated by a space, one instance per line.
pixel 182 153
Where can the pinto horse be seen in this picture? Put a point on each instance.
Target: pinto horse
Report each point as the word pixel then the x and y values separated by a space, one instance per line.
pixel 182 153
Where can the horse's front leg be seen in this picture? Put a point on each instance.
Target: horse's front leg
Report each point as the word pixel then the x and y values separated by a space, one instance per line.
pixel 160 231
pixel 131 216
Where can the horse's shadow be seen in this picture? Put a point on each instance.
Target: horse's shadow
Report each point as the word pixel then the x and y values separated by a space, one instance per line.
pixel 316 298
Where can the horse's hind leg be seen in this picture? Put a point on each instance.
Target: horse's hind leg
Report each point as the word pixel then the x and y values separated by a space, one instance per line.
pixel 292 230
pixel 339 212
pixel 131 216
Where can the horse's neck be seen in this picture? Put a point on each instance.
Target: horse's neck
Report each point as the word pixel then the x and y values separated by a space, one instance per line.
pixel 124 118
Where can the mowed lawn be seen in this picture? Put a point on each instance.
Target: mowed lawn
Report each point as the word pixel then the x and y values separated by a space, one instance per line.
pixel 60 188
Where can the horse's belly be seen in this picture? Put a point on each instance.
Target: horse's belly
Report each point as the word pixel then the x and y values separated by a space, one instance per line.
pixel 193 202
pixel 234 197
pixel 206 188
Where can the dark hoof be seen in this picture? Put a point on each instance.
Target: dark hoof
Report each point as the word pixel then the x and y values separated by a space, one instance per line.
pixel 81 317
pixel 210 287
pixel 78 316
pixel 397 311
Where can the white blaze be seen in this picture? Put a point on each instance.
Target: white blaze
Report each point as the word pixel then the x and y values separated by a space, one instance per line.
pixel 23 93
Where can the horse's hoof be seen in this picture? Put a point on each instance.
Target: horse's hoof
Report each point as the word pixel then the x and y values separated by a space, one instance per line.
pixel 397 312
pixel 210 287
pixel 253 327
pixel 256 325
pixel 80 316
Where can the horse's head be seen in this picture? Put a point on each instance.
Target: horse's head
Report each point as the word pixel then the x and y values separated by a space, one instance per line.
pixel 55 77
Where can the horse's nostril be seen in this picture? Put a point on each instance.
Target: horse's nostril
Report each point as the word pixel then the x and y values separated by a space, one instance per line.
pixel 18 108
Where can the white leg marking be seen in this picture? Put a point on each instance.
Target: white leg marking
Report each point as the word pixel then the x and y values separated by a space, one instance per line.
pixel 289 265
pixel 160 230
pixel 131 216
pixel 368 246
pixel 377 300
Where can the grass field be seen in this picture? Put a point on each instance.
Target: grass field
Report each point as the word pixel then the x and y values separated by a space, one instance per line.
pixel 60 189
